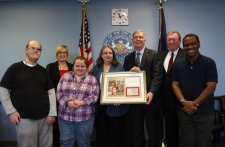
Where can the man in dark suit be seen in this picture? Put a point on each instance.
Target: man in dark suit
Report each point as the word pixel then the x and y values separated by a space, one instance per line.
pixel 169 101
pixel 145 60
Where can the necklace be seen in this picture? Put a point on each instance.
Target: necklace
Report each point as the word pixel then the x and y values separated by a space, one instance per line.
pixel 62 67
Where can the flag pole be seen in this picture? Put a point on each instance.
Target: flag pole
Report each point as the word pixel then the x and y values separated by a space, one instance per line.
pixel 83 28
pixel 162 28
pixel 160 14
pixel 83 53
pixel 84 42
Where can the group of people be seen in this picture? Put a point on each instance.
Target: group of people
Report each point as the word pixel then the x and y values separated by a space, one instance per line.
pixel 180 85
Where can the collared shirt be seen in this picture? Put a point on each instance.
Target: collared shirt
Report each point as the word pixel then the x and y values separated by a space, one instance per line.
pixel 166 61
pixel 141 53
pixel 70 88
pixel 192 78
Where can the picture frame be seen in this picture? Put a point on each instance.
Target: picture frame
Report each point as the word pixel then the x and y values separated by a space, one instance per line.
pixel 123 88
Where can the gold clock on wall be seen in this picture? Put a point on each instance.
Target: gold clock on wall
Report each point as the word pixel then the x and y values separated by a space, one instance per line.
pixel 120 17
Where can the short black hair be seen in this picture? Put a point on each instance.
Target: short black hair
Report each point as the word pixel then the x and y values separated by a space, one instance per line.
pixel 191 35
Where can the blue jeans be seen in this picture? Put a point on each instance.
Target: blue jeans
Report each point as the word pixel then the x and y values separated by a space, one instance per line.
pixel 79 132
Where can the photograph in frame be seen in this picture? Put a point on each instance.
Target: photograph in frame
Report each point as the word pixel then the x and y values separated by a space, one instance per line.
pixel 123 88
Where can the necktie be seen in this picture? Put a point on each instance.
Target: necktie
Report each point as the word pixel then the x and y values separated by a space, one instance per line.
pixel 170 63
pixel 138 62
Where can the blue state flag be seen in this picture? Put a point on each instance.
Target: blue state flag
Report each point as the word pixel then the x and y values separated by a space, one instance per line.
pixel 162 30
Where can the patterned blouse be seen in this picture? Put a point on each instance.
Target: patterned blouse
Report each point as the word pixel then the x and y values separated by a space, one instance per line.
pixel 70 88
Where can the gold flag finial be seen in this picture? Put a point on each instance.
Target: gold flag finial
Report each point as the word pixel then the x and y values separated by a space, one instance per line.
pixel 83 1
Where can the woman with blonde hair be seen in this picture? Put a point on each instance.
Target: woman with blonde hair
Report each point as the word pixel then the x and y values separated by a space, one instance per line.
pixel 56 70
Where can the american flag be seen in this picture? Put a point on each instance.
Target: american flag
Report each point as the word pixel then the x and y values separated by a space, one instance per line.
pixel 162 30
pixel 84 43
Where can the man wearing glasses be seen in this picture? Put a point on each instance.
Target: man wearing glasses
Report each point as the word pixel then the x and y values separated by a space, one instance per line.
pixel 28 97
pixel 144 59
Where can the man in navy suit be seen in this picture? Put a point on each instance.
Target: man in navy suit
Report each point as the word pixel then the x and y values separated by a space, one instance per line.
pixel 145 60
pixel 168 99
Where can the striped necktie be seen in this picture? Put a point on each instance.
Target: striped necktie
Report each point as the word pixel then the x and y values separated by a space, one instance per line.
pixel 138 60
pixel 170 65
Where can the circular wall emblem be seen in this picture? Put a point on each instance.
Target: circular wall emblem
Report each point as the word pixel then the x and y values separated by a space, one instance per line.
pixel 121 42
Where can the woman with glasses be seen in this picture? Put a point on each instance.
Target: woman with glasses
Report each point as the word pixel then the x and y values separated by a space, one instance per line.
pixel 109 118
pixel 56 70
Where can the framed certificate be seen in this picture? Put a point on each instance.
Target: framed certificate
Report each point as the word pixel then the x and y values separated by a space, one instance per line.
pixel 123 88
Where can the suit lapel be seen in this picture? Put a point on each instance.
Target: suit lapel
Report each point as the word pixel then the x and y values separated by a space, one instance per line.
pixel 132 59
pixel 144 56
pixel 180 54
pixel 163 60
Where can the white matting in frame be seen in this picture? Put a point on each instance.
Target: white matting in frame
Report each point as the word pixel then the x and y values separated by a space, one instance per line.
pixel 123 88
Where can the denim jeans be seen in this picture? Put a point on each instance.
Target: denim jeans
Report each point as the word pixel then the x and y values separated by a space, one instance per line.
pixel 79 132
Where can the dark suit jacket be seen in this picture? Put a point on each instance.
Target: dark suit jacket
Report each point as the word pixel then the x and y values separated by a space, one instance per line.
pixel 151 65
pixel 166 93
pixel 53 70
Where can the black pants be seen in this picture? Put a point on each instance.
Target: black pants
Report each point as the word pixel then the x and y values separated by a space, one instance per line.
pixel 195 129
pixel 56 134
pixel 109 130
pixel 138 114
pixel 171 126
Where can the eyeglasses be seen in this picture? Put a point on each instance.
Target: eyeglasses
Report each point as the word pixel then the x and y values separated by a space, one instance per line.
pixel 62 52
pixel 36 49
pixel 138 37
